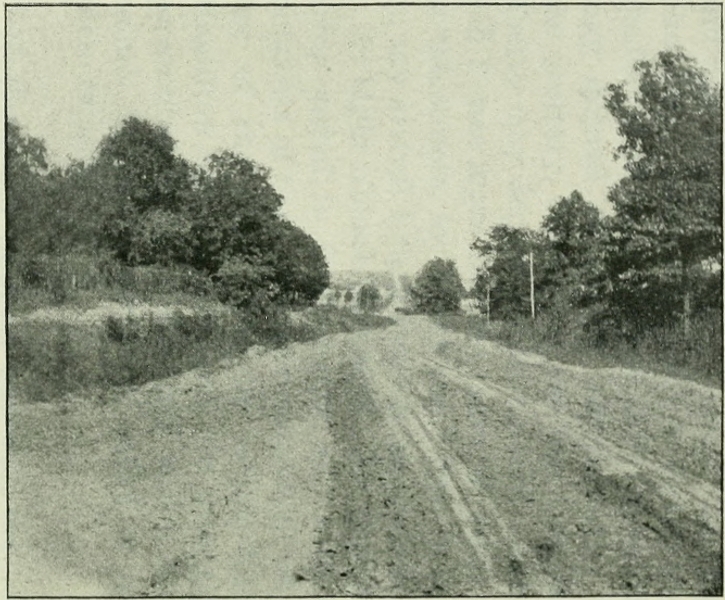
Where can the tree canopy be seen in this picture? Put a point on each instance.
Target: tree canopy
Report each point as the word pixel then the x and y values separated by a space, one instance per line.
pixel 437 288
pixel 505 272
pixel 148 206
pixel 668 210
pixel 369 298
pixel 658 257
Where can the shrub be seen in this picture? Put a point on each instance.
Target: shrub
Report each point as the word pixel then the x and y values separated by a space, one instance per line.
pixel 48 363
pixel 245 284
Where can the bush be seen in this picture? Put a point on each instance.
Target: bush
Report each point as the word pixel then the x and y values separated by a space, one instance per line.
pixel 700 351
pixel 49 364
pixel 245 284
pixel 38 281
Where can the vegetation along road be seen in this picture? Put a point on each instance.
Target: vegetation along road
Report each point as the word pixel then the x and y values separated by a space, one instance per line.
pixel 406 461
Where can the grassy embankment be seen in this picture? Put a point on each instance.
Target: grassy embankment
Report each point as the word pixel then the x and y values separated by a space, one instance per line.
pixel 48 360
pixel 664 351
pixel 83 281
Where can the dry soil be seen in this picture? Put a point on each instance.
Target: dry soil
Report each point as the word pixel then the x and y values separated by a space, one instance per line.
pixel 408 461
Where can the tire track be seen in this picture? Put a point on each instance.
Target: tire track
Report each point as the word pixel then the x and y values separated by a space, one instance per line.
pixel 508 565
pixel 695 496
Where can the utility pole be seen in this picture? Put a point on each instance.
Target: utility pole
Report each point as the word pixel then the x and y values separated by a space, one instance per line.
pixel 488 303
pixel 531 285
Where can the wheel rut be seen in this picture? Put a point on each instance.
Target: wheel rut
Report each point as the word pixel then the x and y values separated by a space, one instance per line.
pixel 697 497
pixel 508 565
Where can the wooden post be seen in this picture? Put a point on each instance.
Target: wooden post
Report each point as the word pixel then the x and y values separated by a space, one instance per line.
pixel 488 303
pixel 531 286
pixel 686 308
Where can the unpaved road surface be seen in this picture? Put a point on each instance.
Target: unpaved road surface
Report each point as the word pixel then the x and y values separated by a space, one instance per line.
pixel 408 461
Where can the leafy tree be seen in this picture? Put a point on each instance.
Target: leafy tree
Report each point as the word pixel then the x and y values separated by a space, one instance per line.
pixel 139 173
pixel 575 269
pixel 139 159
pixel 161 237
pixel 151 207
pixel 505 251
pixel 26 164
pixel 572 225
pixel 349 296
pixel 369 298
pixel 437 288
pixel 301 271
pixel 233 211
pixel 668 210
pixel 24 153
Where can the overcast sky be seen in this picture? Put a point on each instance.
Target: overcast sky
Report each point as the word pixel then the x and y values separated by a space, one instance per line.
pixel 395 133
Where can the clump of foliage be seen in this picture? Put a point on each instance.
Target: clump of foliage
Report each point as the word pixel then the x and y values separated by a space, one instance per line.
pixel 369 298
pixel 649 276
pixel 143 206
pixel 437 288
pixel 667 225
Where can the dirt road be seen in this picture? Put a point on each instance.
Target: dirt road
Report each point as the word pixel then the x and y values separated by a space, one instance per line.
pixel 407 461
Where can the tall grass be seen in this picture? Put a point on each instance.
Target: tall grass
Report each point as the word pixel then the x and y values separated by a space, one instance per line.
pixel 48 362
pixel 78 279
pixel 563 337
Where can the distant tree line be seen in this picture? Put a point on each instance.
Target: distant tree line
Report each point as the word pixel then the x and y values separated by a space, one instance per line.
pixel 657 261
pixel 144 205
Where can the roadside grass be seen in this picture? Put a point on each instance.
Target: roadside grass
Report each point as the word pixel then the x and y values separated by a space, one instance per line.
pixel 47 362
pixel 663 351
pixel 32 299
pixel 82 281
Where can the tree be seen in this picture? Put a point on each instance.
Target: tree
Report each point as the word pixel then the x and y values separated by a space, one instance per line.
pixel 574 230
pixel 572 225
pixel 369 298
pixel 233 211
pixel 26 163
pixel 139 173
pixel 301 271
pixel 506 273
pixel 162 237
pixel 236 232
pixel 668 210
pixel 349 296
pixel 139 159
pixel 437 288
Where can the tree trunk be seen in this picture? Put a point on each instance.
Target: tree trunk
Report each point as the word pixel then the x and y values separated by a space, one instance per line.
pixel 488 303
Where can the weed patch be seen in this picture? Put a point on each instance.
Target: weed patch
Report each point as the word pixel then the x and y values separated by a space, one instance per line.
pixel 46 362
pixel 664 350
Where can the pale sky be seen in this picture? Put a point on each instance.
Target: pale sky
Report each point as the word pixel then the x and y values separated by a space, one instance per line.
pixel 395 133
